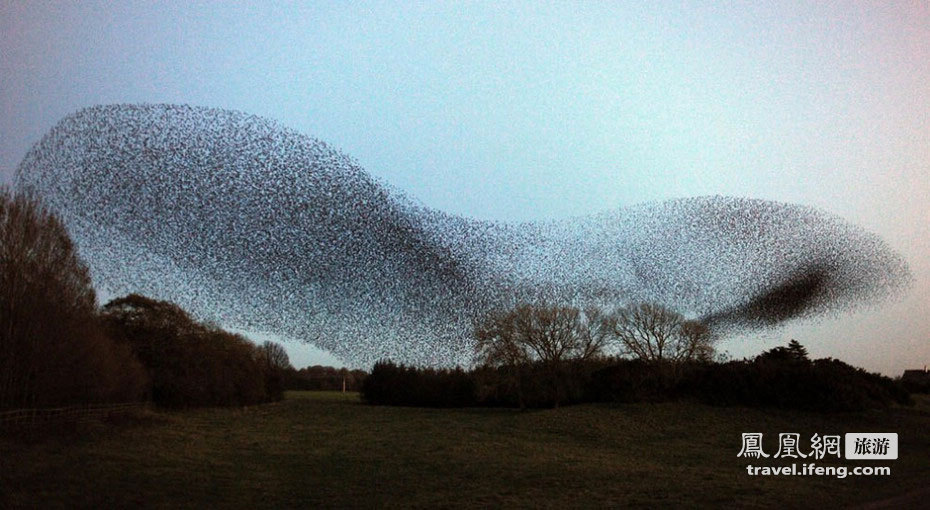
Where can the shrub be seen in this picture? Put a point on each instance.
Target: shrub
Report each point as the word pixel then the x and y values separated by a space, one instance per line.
pixel 526 385
pixel 400 385
pixel 634 380
pixel 821 385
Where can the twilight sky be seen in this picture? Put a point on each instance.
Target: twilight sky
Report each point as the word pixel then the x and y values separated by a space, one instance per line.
pixel 519 111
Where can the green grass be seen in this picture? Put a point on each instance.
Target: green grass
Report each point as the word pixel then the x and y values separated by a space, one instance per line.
pixel 328 450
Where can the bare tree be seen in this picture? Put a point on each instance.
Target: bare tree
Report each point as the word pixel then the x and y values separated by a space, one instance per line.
pixel 697 341
pixel 550 335
pixel 655 333
pixel 275 356
pixel 276 366
pixel 541 333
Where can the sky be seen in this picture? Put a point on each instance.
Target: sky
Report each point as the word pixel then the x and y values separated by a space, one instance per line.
pixel 517 111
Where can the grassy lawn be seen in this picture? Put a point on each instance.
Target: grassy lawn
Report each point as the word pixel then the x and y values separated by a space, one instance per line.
pixel 329 450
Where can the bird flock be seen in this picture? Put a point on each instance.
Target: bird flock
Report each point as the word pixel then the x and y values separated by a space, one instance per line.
pixel 254 226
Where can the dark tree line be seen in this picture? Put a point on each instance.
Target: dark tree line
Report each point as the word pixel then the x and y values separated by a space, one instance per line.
pixel 321 378
pixel 57 348
pixel 816 385
pixel 547 356
pixel 194 364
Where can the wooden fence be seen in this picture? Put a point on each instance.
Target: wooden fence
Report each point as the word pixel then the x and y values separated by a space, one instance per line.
pixel 19 418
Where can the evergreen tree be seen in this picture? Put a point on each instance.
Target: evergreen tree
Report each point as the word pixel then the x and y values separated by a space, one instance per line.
pixel 797 351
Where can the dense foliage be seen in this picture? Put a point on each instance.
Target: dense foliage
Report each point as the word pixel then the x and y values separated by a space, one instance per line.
pixel 401 385
pixel 772 379
pixel 191 364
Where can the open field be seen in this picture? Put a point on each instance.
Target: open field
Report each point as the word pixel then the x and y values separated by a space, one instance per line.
pixel 329 450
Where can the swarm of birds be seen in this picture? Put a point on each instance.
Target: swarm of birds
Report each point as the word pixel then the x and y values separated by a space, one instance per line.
pixel 254 226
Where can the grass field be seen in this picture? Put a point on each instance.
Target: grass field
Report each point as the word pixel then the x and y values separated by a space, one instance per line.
pixel 328 450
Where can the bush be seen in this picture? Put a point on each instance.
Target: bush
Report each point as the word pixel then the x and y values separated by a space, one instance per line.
pixel 399 385
pixel 634 380
pixel 535 384
pixel 821 385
